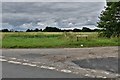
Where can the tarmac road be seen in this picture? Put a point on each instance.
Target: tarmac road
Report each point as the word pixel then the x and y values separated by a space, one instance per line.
pixel 19 71
pixel 95 61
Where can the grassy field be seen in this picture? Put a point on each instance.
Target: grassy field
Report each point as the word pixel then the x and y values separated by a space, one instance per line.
pixel 54 40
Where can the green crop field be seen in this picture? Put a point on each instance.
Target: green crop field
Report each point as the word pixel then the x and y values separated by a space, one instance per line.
pixel 54 40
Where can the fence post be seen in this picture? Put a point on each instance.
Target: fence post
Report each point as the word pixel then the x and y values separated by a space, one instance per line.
pixel 77 38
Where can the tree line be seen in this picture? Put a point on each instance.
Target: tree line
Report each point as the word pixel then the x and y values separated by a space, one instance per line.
pixel 54 29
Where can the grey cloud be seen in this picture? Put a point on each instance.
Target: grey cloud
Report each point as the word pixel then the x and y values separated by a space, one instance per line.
pixel 58 14
pixel 56 0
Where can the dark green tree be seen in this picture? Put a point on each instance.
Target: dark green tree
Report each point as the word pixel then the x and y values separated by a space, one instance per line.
pixel 110 20
pixel 51 29
pixel 36 30
pixel 85 29
pixel 28 30
pixel 5 30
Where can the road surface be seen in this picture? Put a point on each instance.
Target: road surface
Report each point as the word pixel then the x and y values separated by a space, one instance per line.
pixel 76 61
pixel 19 71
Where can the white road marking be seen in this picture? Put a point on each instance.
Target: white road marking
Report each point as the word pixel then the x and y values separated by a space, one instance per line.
pixel 33 65
pixel 89 75
pixel 15 62
pixel 104 77
pixel 65 70
pixel 24 63
pixel 29 64
pixel 47 67
pixel 3 60
pixel 106 72
pixel 51 68
pixel 44 67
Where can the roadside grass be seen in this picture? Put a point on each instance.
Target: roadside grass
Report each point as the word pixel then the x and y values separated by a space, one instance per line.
pixel 54 40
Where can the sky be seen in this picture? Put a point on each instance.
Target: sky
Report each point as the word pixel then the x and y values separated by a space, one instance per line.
pixel 63 15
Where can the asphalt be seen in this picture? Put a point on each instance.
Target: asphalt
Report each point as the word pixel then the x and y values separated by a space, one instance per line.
pixel 107 64
pixel 19 71
pixel 90 62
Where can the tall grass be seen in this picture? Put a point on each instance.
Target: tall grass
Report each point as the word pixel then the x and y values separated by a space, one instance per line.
pixel 54 40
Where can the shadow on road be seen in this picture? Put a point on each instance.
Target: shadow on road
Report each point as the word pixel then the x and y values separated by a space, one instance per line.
pixel 107 64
